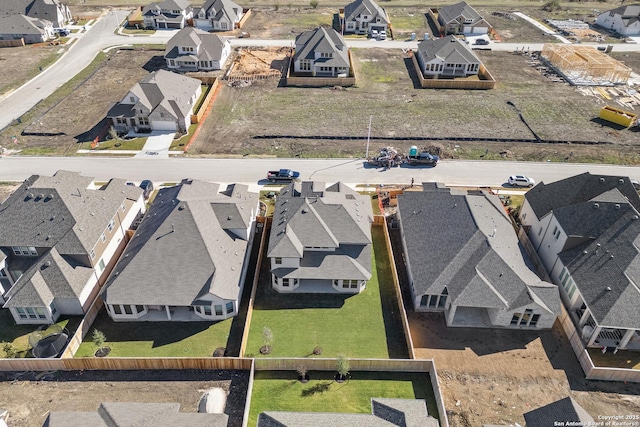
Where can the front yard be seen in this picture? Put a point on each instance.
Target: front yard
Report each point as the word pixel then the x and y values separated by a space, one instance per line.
pixel 364 325
pixel 157 339
pixel 281 391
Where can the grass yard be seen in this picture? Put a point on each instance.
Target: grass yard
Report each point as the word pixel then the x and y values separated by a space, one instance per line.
pixel 363 325
pixel 117 144
pixel 15 338
pixel 281 391
pixel 157 339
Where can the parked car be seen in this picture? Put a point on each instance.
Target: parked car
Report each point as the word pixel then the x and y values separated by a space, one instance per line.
pixel 481 42
pixel 147 188
pixel 521 181
pixel 382 35
pixel 374 34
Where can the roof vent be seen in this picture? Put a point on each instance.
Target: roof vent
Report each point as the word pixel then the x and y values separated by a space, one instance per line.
pixel 48 236
pixel 52 218
pixel 596 205
pixel 173 227
pixel 608 288
pixel 50 196
pixel 181 207
pixel 601 179
pixel 40 196
pixel 304 211
pixel 617 205
pixel 229 218
pixel 47 263
pixel 585 252
pixel 30 195
pixel 621 181
pixel 634 217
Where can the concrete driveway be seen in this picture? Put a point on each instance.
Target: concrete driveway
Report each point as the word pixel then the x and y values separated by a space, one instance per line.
pixel 157 145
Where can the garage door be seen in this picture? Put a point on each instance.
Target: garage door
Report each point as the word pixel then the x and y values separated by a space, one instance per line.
pixel 158 125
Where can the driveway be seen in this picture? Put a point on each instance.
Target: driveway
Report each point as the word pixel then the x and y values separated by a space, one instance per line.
pixel 157 145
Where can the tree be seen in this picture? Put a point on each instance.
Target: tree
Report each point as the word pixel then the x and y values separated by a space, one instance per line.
pixel 314 3
pixel 98 338
pixel 552 6
pixel 113 134
pixel 267 340
pixel 9 349
pixel 342 366
pixel 302 372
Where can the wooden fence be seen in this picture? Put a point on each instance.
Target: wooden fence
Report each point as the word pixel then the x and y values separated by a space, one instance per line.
pixel 246 13
pixel 211 89
pixel 486 80
pixel 12 43
pixel 396 289
pixel 266 225
pixel 532 254
pixel 83 329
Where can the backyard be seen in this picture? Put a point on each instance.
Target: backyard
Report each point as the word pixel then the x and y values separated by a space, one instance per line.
pixel 364 325
pixel 281 391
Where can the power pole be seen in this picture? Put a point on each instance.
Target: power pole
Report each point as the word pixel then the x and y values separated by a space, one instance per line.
pixel 369 136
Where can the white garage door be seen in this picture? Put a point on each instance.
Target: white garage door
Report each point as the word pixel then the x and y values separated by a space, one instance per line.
pixel 158 125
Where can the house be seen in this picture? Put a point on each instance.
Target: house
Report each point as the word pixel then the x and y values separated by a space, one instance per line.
pixel 31 30
pixel 60 237
pixel 363 16
pixel 460 18
pixel 218 15
pixel 586 231
pixel 385 412
pixel 161 101
pixel 320 239
pixel 191 49
pixel 188 258
pixel 53 11
pixel 321 52
pixel 138 414
pixel 567 410
pixel 624 20
pixel 463 258
pixel 167 14
pixel 447 57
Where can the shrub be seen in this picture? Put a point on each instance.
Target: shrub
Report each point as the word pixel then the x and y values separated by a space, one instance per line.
pixel 314 3
pixel 98 338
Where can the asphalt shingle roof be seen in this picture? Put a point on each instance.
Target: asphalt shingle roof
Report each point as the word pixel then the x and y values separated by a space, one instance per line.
pixel 21 24
pixel 220 8
pixel 564 410
pixel 189 227
pixel 364 7
pixel 448 49
pixel 467 244
pixel 452 12
pixel 207 46
pixel 322 40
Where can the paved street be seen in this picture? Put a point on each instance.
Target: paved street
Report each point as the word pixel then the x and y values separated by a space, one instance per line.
pixel 251 171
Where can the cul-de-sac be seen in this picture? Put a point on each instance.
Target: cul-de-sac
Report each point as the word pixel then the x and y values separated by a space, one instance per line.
pixel 319 213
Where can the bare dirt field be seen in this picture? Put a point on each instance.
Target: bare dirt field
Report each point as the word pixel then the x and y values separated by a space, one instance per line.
pixel 29 399
pixel 23 64
pixel 265 118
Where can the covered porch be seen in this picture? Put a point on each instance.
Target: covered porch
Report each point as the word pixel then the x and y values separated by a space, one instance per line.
pixel 595 335
pixel 469 317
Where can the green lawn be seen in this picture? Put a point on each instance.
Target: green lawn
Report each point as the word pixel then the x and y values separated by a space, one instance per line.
pixel 281 391
pixel 356 326
pixel 157 339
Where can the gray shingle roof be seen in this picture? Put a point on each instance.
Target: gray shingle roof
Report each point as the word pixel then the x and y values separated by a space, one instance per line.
pixel 364 7
pixel 122 414
pixel 385 413
pixel 168 5
pixel 564 410
pixel 220 8
pixel 452 12
pixel 467 243
pixel 21 24
pixel 41 9
pixel 310 216
pixel 322 40
pixel 188 228
pixel 210 45
pixel 578 189
pixel 448 49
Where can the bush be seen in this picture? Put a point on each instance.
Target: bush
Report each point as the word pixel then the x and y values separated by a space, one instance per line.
pixel 314 3
pixel 98 338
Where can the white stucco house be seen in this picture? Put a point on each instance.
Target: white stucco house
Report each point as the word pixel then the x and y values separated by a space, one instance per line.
pixel 624 20
pixel 191 49
pixel 586 230
pixel 188 259
pixel 161 101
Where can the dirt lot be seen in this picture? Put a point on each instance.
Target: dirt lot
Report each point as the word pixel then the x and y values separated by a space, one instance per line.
pixel 248 120
pixel 24 63
pixel 29 400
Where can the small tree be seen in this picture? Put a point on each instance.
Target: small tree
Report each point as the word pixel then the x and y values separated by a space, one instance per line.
pixel 267 340
pixel 342 366
pixel 113 133
pixel 9 349
pixel 551 6
pixel 314 3
pixel 302 371
pixel 98 338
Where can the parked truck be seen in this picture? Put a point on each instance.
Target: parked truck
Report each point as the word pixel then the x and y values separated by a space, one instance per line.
pixel 417 157
pixel 618 116
pixel 282 175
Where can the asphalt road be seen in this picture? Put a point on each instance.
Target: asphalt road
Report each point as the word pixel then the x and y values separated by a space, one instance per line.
pixel 252 171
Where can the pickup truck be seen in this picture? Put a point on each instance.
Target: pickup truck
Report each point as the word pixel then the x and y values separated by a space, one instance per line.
pixel 282 175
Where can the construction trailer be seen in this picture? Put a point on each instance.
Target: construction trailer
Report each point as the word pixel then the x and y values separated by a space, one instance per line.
pixel 585 65
pixel 618 116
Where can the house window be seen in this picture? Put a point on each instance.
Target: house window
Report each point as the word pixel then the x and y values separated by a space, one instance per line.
pixel 229 308
pixel 24 250
pixel 2 273
pixel 326 55
pixel 116 309
pixel 92 254
pixel 103 237
pixel 442 301
pixel 112 224
pixel 139 308
pixel 121 121
pixel 534 320
pixel 172 63
pixel 31 313
pixel 218 309
pixel 101 264
pixel 132 99
pixel 540 231
pixel 53 309
pixel 127 309
pixel 557 233
pixel 206 310
pixel 325 68
pixel 433 301
pixel 305 66
pixel 144 121
pixel 423 300
pixel 277 261
pixel 285 283
pixel 224 26
pixel 515 319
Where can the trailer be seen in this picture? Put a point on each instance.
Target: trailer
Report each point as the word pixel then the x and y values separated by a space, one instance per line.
pixel 387 157
pixel 417 157
pixel 618 116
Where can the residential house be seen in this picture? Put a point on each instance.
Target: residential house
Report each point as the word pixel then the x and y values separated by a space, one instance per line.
pixel 48 10
pixel 161 101
pixel 31 30
pixel 567 411
pixel 385 412
pixel 188 258
pixel 363 16
pixel 447 57
pixel 624 20
pixel 586 231
pixel 460 18
pixel 320 239
pixel 167 14
pixel 463 258
pixel 60 237
pixel 135 414
pixel 321 52
pixel 218 15
pixel 191 49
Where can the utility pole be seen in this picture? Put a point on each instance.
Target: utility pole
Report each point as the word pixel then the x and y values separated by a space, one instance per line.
pixel 369 136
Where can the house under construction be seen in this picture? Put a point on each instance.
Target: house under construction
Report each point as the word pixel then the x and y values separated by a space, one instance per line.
pixel 585 65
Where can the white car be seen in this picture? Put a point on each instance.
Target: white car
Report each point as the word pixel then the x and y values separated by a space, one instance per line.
pixel 374 34
pixel 521 181
pixel 382 35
